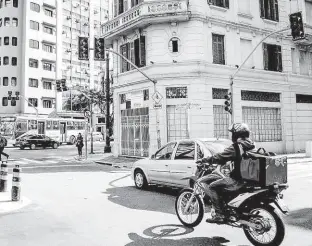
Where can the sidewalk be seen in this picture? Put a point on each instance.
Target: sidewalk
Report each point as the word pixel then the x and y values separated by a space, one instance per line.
pixel 127 162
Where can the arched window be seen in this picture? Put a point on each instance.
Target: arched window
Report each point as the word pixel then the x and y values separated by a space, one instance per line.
pixel 4 101
pixel 15 3
pixel 13 101
pixel 14 61
pixel 14 22
pixel 13 81
pixel 6 60
pixel 6 40
pixel 14 41
pixel 5 81
pixel 6 21
pixel 0 21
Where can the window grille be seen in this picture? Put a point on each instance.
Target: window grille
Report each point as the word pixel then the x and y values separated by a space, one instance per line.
pixel 265 123
pixel 176 92
pixel 221 121
pixel 260 96
pixel 218 49
pixel 218 93
pixel 303 98
pixel 177 123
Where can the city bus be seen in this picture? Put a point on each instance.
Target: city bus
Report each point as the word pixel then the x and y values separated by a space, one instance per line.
pixel 60 129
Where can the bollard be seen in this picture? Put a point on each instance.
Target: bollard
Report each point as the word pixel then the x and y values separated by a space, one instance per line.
pixel 4 177
pixel 16 184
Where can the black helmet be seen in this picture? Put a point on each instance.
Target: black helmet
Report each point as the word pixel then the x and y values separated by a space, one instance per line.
pixel 239 130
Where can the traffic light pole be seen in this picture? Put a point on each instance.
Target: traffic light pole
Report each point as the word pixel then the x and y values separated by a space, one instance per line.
pixel 107 148
pixel 243 63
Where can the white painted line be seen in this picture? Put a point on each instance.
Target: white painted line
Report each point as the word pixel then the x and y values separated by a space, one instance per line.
pixel 34 167
pixel 31 161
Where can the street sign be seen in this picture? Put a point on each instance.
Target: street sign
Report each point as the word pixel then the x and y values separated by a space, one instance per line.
pixel 157 97
pixel 87 114
pixel 157 106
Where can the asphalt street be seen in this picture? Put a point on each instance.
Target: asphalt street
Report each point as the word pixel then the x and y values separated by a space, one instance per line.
pixel 94 205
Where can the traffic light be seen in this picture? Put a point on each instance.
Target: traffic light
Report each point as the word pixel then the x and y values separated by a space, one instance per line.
pixel 17 95
pixel 83 48
pixel 99 49
pixel 296 26
pixel 228 102
pixel 64 87
pixel 58 85
pixel 10 95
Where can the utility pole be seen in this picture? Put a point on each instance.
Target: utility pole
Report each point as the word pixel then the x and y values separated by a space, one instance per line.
pixel 240 67
pixel 107 148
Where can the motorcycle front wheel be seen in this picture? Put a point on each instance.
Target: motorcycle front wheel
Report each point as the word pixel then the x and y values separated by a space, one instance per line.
pixel 271 230
pixel 193 215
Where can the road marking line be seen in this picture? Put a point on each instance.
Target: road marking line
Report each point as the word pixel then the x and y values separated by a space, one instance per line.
pixel 31 160
pixel 34 167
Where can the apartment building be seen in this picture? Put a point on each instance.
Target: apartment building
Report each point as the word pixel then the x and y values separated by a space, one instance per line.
pixel 191 47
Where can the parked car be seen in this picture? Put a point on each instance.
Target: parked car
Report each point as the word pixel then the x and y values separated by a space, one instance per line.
pixel 33 141
pixel 174 161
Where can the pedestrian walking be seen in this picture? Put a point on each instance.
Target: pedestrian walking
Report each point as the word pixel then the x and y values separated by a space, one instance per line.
pixel 3 143
pixel 79 144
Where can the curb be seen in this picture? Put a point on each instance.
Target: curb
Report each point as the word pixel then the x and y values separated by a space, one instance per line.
pixel 8 206
pixel 112 164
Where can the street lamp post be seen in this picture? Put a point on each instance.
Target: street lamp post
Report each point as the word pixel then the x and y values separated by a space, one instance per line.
pixel 107 148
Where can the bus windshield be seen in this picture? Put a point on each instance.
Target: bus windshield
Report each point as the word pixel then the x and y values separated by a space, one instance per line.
pixel 7 126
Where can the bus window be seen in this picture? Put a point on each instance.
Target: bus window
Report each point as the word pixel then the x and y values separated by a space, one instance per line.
pixel 76 125
pixel 21 127
pixel 56 125
pixel 32 125
pixel 70 125
pixel 49 125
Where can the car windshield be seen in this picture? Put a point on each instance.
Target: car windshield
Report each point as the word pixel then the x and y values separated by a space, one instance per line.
pixel 217 145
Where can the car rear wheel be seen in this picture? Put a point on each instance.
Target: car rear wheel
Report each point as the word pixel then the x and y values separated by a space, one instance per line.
pixel 140 180
pixel 22 147
pixel 55 146
pixel 32 146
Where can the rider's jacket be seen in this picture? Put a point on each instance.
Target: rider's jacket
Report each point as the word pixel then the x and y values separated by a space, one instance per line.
pixel 233 153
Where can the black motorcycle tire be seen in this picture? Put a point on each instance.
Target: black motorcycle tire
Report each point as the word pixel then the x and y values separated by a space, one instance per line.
pixel 280 227
pixel 201 210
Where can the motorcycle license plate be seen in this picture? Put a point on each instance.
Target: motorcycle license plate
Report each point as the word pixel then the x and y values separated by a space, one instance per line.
pixel 281 204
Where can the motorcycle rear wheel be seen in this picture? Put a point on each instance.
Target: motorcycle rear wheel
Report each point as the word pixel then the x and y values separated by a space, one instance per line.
pixel 275 222
pixel 196 208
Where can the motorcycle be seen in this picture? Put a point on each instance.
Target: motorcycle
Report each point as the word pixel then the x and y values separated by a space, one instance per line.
pixel 247 207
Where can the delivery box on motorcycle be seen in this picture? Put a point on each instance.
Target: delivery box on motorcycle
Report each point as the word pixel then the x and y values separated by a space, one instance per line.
pixel 264 169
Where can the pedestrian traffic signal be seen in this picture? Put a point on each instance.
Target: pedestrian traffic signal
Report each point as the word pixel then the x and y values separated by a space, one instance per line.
pixel 10 95
pixel 228 102
pixel 58 85
pixel 17 95
pixel 99 49
pixel 296 26
pixel 83 48
pixel 63 83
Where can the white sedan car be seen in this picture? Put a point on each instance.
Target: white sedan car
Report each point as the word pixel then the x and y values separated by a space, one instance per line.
pixel 175 161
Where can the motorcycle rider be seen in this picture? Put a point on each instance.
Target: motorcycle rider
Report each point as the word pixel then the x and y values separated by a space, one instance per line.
pixel 241 143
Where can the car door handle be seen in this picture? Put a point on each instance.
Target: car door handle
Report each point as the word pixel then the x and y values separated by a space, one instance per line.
pixel 166 165
pixel 189 167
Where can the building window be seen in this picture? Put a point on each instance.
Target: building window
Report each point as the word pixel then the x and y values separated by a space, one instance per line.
pixel 14 61
pixel 218 93
pixel 47 48
pixel 33 63
pixel 14 41
pixel 7 3
pixel 265 123
pixel 174 45
pixel 0 39
pixel 6 60
pixel 13 101
pixel 221 121
pixel 176 92
pixel 14 22
pixel 135 2
pixel 15 3
pixel 0 61
pixel 0 21
pixel 4 101
pixel 135 52
pixel 272 57
pixel 6 41
pixel 218 49
pixel 33 44
pixel 48 30
pixel 48 12
pixel 246 48
pixel 33 102
pixel 47 85
pixel 5 81
pixel 33 82
pixel 47 104
pixel 146 95
pixel 304 62
pixel 6 21
pixel 269 9
pixel 220 3
pixel 13 81
pixel 303 98
pixel 260 96
pixel 47 66
pixel 35 7
pixel 34 25
pixel 177 123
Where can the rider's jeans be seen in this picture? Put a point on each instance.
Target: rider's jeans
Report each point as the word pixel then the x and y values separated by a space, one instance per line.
pixel 213 191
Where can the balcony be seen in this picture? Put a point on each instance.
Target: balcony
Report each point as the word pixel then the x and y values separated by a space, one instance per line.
pixel 146 13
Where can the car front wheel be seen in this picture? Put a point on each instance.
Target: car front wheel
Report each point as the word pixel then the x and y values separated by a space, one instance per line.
pixel 54 146
pixel 32 146
pixel 140 180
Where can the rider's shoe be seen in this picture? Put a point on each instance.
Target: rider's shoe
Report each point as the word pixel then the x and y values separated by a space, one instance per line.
pixel 218 218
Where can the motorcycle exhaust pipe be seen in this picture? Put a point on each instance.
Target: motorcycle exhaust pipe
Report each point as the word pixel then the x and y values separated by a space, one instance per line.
pixel 249 224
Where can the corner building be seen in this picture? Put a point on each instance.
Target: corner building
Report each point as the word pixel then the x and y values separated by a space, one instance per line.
pixel 191 47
